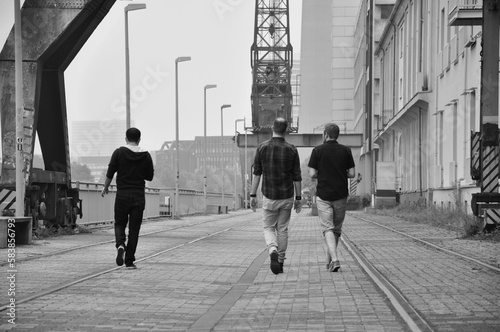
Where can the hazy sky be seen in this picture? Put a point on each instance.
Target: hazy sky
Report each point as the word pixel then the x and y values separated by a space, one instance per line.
pixel 217 34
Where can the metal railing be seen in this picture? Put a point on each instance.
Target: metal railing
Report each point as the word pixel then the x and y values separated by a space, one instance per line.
pixel 466 4
pixel 96 208
pixel 159 202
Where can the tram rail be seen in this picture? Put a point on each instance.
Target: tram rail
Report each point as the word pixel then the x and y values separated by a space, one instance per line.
pixel 452 252
pixel 100 226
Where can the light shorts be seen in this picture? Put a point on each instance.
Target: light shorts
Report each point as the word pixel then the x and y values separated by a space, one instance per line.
pixel 331 214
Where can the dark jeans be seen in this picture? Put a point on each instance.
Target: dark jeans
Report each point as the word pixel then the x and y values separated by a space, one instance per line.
pixel 129 208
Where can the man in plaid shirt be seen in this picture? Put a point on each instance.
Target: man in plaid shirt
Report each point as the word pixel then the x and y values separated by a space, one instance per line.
pixel 279 163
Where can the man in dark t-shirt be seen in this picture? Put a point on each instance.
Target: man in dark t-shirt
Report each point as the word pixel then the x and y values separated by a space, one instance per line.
pixel 133 166
pixel 332 164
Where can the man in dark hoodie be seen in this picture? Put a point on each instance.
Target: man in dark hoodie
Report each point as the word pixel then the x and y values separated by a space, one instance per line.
pixel 132 165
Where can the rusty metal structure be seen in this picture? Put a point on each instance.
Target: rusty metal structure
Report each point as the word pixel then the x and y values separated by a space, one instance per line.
pixel 485 153
pixel 271 61
pixel 53 32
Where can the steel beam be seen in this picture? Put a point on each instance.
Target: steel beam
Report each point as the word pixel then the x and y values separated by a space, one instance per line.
pixel 53 32
pixel 300 140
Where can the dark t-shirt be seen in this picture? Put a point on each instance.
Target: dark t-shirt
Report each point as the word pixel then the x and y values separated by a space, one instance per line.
pixel 331 160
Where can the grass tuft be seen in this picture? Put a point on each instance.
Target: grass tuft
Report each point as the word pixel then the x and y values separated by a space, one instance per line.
pixel 456 220
pixel 44 232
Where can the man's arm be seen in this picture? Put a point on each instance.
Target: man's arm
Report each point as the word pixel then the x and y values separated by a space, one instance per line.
pixel 150 171
pixel 298 192
pixel 105 190
pixel 298 187
pixel 253 191
pixel 313 173
pixel 351 172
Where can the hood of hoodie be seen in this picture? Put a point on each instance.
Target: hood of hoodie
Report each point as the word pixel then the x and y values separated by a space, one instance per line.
pixel 134 152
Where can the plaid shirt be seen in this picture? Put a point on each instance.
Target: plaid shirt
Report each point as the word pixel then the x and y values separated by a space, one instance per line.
pixel 279 162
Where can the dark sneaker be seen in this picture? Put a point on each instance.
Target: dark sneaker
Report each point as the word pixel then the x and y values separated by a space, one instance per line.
pixel 281 267
pixel 119 256
pixel 275 265
pixel 131 266
pixel 334 266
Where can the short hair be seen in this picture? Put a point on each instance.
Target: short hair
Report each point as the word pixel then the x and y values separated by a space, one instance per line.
pixel 133 135
pixel 279 126
pixel 332 130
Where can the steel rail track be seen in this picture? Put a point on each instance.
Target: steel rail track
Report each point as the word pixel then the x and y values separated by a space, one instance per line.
pixel 414 321
pixel 94 275
pixel 59 252
pixel 67 284
pixel 472 259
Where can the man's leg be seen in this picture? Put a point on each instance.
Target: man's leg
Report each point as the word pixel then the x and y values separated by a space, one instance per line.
pixel 134 227
pixel 328 257
pixel 269 221
pixel 284 214
pixel 325 213
pixel 269 224
pixel 331 241
pixel 121 220
pixel 339 208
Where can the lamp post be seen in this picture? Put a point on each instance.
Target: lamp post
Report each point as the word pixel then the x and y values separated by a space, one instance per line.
pixel 246 163
pixel 209 86
pixel 236 160
pixel 179 59
pixel 19 102
pixel 128 8
pixel 222 144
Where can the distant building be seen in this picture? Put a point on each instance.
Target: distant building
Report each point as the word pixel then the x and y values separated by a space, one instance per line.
pixel 97 165
pixel 368 106
pixel 165 157
pixel 96 138
pixel 92 143
pixel 430 71
pixel 295 79
pixel 316 64
pixel 221 152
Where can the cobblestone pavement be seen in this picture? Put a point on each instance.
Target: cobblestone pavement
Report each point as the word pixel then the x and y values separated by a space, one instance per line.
pixel 214 275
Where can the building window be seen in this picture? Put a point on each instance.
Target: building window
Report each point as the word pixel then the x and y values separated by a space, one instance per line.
pixel 442 27
pixel 440 137
pixel 401 42
pixel 385 11
pixel 454 109
pixel 472 111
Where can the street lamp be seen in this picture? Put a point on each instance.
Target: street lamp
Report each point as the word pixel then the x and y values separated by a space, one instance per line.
pixel 246 163
pixel 222 144
pixel 179 59
pixel 209 86
pixel 18 68
pixel 128 8
pixel 236 160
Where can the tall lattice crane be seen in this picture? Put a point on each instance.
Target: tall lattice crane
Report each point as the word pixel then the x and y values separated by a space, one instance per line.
pixel 271 60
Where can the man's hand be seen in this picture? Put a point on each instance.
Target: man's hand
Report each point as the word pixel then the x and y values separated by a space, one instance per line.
pixel 253 203
pixel 104 191
pixel 297 206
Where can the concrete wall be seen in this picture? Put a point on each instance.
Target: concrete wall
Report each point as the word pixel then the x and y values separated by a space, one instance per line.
pixel 98 208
